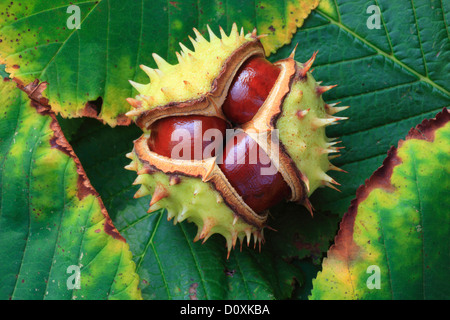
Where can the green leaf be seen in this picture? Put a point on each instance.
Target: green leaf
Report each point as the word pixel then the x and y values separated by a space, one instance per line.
pixel 51 218
pixel 391 78
pixel 299 234
pixel 388 90
pixel 393 241
pixel 114 38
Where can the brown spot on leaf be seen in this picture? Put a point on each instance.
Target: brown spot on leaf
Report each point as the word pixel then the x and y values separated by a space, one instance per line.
pixel 193 291
pixel 174 4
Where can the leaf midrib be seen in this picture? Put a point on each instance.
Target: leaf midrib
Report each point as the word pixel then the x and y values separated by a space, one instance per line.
pixel 384 54
pixel 65 41
pixel 43 11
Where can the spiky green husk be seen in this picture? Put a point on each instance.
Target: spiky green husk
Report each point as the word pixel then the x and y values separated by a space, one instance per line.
pixel 193 77
pixel 190 198
pixel 302 124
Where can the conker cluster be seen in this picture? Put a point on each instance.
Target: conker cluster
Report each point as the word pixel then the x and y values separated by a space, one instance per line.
pixel 225 183
pixel 247 93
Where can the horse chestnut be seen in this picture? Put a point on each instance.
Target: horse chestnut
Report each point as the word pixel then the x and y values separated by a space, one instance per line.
pixel 242 163
pixel 249 89
pixel 187 137
pixel 227 80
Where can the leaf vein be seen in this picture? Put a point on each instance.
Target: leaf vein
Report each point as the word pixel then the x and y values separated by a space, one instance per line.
pixel 40 12
pixel 420 41
pixel 65 41
pixel 384 54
